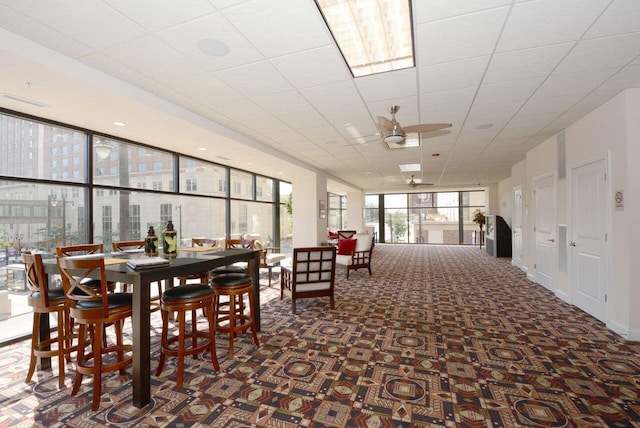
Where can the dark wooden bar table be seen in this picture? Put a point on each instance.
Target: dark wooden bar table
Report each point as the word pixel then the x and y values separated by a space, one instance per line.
pixel 187 262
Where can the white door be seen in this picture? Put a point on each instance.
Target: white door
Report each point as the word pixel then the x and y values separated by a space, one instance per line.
pixel 544 230
pixel 588 274
pixel 516 242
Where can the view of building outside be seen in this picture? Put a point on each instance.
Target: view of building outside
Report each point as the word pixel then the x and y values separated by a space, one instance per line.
pixel 428 217
pixel 56 192
pixel 337 212
pixel 286 217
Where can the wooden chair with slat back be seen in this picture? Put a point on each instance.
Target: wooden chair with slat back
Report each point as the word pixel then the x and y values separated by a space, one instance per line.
pixel 47 301
pixel 95 309
pixel 311 274
pixel 84 250
pixel 137 245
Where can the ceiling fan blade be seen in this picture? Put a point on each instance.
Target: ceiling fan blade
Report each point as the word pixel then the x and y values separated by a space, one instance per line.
pixel 385 123
pixel 426 127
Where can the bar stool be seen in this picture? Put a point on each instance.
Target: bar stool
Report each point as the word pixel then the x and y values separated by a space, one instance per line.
pixel 183 299
pixel 46 301
pixel 234 286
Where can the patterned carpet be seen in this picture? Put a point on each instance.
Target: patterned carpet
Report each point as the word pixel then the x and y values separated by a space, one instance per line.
pixel 438 336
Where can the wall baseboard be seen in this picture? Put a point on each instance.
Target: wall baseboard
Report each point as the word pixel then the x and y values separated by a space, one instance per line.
pixel 563 296
pixel 634 335
pixel 622 330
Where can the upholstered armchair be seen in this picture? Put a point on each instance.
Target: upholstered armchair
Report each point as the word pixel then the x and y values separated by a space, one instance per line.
pixel 311 274
pixel 355 255
pixel 270 257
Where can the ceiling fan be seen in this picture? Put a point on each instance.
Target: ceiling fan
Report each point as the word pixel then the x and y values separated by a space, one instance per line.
pixel 393 133
pixel 413 184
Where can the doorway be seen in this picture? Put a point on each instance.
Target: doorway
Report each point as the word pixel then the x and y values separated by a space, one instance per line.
pixel 544 230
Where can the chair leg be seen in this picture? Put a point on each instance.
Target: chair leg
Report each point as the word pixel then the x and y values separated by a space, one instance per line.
pixel 210 313
pixel 163 341
pixel 80 357
pixel 35 336
pixel 97 364
pixel 61 352
pixel 252 313
pixel 181 331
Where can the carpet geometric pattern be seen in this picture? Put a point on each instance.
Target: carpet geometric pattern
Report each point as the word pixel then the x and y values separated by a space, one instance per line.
pixel 439 336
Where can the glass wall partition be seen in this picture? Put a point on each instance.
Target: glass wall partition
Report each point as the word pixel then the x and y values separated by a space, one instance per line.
pixel 426 218
pixel 337 212
pixel 372 213
pixel 60 185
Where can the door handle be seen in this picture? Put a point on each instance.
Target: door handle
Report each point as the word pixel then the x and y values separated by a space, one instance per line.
pixel 573 244
pixel 551 240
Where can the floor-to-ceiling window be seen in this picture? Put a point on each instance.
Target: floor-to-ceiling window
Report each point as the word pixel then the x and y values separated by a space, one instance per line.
pixel 337 212
pixel 60 186
pixel 425 218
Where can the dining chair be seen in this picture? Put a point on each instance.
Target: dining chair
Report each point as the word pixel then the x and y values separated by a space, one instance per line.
pixel 311 274
pixel 85 250
pixel 46 301
pixel 202 277
pixel 95 309
pixel 138 245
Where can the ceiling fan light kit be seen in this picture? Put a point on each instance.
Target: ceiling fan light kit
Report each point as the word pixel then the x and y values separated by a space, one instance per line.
pixel 393 133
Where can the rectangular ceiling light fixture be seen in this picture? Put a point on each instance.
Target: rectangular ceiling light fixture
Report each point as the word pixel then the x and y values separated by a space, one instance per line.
pixel 409 167
pixel 374 36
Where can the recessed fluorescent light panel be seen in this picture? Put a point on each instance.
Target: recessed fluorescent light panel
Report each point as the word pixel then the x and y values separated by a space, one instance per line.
pixel 374 36
pixel 409 167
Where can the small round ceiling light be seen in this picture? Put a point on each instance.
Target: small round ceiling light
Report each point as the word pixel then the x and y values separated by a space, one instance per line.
pixel 119 124
pixel 213 47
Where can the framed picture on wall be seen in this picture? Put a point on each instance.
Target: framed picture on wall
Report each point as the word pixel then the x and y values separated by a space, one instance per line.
pixel 322 208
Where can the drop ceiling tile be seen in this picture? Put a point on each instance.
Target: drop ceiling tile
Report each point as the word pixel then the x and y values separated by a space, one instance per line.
pixel 184 38
pixel 121 71
pixel 525 63
pixel 596 98
pixel 313 67
pixel 208 89
pixel 155 15
pixel 326 95
pixel 628 77
pixel 504 92
pixel 150 56
pixel 600 53
pixel 493 112
pixel 241 110
pixel 283 103
pixel 41 34
pixel 623 16
pixel 575 83
pixel 96 24
pixel 452 75
pixel 558 104
pixel 255 80
pixel 279 27
pixel 434 10
pixel 388 86
pixel 466 36
pixel 548 22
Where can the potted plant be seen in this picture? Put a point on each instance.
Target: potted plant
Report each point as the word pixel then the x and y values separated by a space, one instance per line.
pixel 478 217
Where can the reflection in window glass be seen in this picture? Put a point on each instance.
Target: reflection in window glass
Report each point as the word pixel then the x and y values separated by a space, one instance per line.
pixel 133 212
pixel 40 217
pixel 395 224
pixel 372 213
pixel 117 163
pixel 202 178
pixel 241 185
pixel 395 201
pixel 264 189
pixel 36 150
pixel 337 212
pixel 253 218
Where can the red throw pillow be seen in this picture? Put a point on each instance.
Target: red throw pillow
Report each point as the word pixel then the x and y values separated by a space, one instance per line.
pixel 333 235
pixel 346 246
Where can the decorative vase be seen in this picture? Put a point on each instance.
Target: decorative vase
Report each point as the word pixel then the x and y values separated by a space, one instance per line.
pixel 151 243
pixel 170 240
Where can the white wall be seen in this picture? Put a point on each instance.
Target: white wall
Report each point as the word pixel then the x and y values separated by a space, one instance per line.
pixel 612 130
pixel 505 200
pixel 355 211
pixel 308 188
